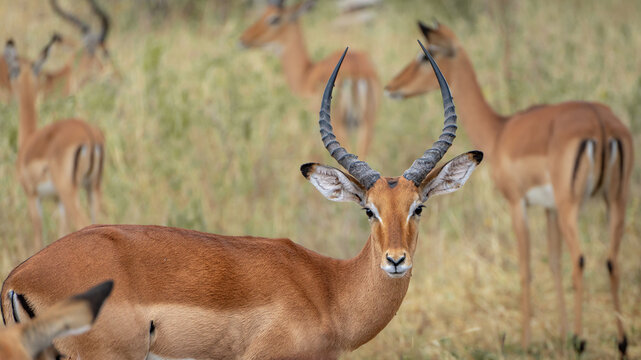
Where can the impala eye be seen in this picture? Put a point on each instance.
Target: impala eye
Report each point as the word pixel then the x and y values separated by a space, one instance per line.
pixel 419 210
pixel 369 213
pixel 274 20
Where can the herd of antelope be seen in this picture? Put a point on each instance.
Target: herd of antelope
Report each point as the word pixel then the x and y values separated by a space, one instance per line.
pixel 153 292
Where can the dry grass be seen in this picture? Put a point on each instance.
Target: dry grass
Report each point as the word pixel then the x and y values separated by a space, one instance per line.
pixel 206 136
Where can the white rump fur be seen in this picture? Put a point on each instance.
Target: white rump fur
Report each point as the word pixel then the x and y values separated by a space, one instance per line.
pixel 336 185
pixel 450 177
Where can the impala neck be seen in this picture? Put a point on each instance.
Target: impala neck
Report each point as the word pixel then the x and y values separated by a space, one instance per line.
pixel 27 111
pixel 294 58
pixel 482 124
pixel 367 299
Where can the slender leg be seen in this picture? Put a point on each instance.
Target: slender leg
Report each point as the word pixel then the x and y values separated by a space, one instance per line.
pixel 339 127
pixel 616 214
pixel 366 132
pixel 63 223
pixel 555 250
pixel 35 211
pixel 69 198
pixel 519 221
pixel 568 214
pixel 95 203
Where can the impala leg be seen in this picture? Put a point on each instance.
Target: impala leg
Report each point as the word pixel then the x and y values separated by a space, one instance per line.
pixel 568 223
pixel 339 126
pixel 35 211
pixel 616 214
pixel 519 222
pixel 63 228
pixel 366 132
pixel 94 195
pixel 69 198
pixel 554 251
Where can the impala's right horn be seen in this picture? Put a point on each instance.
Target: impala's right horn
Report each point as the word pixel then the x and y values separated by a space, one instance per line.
pixel 83 26
pixel 104 21
pixel 423 165
pixel 357 168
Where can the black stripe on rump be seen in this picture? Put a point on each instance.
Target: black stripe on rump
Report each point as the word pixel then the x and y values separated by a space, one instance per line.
pixel 76 159
pixel 577 161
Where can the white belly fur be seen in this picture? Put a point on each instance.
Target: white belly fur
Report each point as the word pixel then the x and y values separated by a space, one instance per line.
pixel 46 189
pixel 542 196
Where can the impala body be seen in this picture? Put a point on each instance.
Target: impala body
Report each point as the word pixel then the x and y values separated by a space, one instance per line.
pixel 278 29
pixel 554 156
pixel 185 294
pixel 33 339
pixel 58 159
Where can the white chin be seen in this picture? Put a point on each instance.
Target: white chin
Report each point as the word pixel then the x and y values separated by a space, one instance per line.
pixel 396 275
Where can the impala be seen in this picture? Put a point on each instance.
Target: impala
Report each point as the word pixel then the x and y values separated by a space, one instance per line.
pixel 55 160
pixel 278 29
pixel 33 339
pixel 49 80
pixel 84 62
pixel 185 294
pixel 555 156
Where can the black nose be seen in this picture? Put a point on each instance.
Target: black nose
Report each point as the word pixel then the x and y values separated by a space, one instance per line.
pixel 395 262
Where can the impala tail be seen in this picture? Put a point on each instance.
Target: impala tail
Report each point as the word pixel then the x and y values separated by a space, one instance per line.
pixel 358 100
pixel 88 160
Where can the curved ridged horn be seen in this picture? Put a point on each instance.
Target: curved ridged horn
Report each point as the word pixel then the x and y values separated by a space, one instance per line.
pixel 277 3
pixel 357 168
pixel 423 165
pixel 44 54
pixel 104 21
pixel 84 27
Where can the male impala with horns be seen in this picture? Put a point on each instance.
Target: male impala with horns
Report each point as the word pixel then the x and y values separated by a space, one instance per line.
pixel 184 294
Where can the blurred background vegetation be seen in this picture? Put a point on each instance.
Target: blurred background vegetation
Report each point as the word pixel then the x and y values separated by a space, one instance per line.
pixel 204 135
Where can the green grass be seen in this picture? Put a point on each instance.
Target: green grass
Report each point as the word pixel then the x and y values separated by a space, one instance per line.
pixel 203 135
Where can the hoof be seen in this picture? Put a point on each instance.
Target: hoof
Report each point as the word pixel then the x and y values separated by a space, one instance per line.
pixel 623 347
pixel 579 344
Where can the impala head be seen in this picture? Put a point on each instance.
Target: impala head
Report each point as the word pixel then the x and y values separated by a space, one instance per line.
pixel 23 73
pixel 270 27
pixel 393 205
pixel 31 340
pixel 417 77
pixel 92 40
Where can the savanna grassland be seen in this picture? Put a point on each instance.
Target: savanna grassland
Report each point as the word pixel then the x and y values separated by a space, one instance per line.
pixel 204 135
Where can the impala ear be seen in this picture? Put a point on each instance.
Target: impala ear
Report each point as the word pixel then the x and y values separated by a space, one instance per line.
pixel 11 58
pixel 70 317
pixel 427 29
pixel 451 176
pixel 333 183
pixel 438 38
pixel 301 8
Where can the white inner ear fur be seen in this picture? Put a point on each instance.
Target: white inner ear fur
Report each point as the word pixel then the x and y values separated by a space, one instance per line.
pixel 451 177
pixel 335 186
